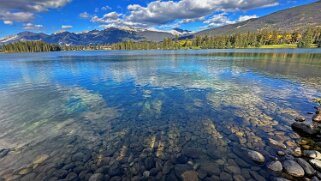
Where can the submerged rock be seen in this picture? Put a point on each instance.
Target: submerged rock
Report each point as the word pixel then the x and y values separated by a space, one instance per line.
pixel 297 152
pixel 181 168
pixel 4 152
pixel 308 169
pixel 277 143
pixel 316 163
pixel 210 168
pixel 275 166
pixel 226 177
pixel 300 119
pixel 281 153
pixel 312 154
pixel 96 177
pixel 256 156
pixel 149 163
pixel 192 152
pixel 115 170
pixel 317 118
pixel 190 176
pixel 304 128
pixel 146 173
pixel 293 168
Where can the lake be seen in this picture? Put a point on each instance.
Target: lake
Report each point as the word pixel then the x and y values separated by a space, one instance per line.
pixel 153 115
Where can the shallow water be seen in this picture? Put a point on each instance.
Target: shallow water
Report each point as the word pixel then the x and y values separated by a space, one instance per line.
pixel 68 115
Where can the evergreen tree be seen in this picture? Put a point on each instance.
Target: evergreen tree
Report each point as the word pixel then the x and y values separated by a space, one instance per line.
pixel 319 41
pixel 307 39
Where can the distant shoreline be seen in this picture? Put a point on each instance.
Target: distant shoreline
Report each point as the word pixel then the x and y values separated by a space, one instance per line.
pixel 271 47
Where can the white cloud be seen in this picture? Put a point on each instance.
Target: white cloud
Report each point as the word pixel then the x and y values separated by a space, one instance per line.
pixel 162 12
pixel 8 22
pixel 30 26
pixel 219 20
pixel 106 8
pixel 246 17
pixel 84 15
pixel 16 16
pixel 66 27
pixel 108 18
pixel 112 15
pixel 184 21
pixel 223 19
pixel 23 10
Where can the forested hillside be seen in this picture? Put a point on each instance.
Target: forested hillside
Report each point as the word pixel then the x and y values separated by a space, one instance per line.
pixel 308 39
pixel 30 46
pixel 293 19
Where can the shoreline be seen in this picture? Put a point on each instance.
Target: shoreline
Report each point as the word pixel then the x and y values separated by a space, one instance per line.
pixel 250 48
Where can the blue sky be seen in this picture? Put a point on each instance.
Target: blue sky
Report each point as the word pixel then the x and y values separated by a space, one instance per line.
pixel 50 16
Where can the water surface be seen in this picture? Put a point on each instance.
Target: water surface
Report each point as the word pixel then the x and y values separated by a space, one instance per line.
pixel 126 114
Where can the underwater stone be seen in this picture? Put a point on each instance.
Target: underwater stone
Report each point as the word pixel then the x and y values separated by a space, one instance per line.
pixel 190 176
pixel 277 143
pixel 309 170
pixel 226 177
pixel 317 118
pixel 4 152
pixel 304 128
pixel 312 154
pixel 192 152
pixel 96 177
pixel 149 163
pixel 300 119
pixel 275 166
pixel 256 156
pixel 316 163
pixel 293 168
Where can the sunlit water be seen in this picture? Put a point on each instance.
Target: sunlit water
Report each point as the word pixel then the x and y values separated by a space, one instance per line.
pixel 68 115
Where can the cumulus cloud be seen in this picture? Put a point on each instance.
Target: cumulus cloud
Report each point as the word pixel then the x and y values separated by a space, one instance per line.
pixel 8 22
pixel 222 19
pixel 162 12
pixel 66 27
pixel 106 8
pixel 30 26
pixel 246 17
pixel 23 11
pixel 84 15
pixel 15 16
pixel 184 21
pixel 114 19
pixel 219 20
pixel 108 18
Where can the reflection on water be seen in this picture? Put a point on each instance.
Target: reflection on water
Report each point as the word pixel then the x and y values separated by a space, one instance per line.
pixel 155 114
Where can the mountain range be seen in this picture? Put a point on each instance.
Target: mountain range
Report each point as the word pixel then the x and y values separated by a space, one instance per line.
pixel 106 36
pixel 293 19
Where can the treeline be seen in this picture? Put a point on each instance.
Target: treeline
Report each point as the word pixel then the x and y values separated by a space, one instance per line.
pixel 39 46
pixel 308 39
pixel 30 46
pixel 85 47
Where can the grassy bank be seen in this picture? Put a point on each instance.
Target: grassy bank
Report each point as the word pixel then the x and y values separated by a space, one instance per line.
pixel 285 46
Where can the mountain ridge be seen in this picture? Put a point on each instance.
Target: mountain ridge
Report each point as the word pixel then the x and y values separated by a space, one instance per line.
pixel 292 19
pixel 106 36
